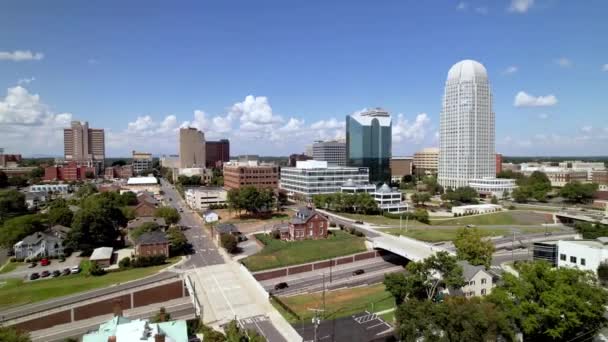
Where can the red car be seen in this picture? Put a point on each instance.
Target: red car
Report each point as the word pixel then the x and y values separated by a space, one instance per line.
pixel 45 262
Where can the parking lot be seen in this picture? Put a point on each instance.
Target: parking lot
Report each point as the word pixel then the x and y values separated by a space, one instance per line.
pixel 263 326
pixel 361 327
pixel 24 270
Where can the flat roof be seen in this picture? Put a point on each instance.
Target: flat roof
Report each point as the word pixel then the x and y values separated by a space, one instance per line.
pixel 102 253
pixel 142 180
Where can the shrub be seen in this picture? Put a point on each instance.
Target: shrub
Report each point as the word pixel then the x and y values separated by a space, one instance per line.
pixel 145 261
pixel 229 243
pixel 96 270
pixel 511 207
pixel 332 224
pixel 124 262
pixel 276 234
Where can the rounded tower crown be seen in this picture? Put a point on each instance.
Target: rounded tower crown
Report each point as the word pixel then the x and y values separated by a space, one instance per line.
pixel 467 70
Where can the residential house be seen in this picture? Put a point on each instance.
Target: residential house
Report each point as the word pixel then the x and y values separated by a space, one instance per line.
pixel 227 228
pixel 307 224
pixel 39 244
pixel 210 216
pixel 35 199
pixel 152 244
pixel 60 231
pixel 144 209
pixel 479 282
pixel 137 222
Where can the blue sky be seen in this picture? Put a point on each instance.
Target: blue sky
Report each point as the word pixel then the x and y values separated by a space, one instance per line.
pixel 275 75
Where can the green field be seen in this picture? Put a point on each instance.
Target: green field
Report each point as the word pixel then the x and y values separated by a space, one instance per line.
pixel 17 292
pixel 431 234
pixel 500 218
pixel 339 303
pixel 8 267
pixel 379 219
pixel 277 253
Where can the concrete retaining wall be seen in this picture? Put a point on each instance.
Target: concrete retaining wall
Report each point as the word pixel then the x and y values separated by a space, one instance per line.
pixel 317 265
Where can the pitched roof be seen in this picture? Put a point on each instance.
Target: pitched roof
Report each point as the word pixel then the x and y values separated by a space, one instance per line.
pixel 37 237
pixel 145 197
pixel 469 271
pixel 141 220
pixel 153 237
pixel 303 215
pixel 225 228
pixel 102 253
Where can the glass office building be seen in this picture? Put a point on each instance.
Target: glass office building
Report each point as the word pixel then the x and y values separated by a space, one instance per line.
pixel 369 143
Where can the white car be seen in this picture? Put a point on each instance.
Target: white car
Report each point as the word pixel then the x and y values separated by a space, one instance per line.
pixel 75 269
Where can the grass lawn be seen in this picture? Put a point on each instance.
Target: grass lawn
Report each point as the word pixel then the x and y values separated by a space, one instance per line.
pixel 277 253
pixel 520 217
pixel 9 267
pixel 17 292
pixel 431 234
pixel 248 218
pixel 339 303
pixel 388 317
pixel 378 219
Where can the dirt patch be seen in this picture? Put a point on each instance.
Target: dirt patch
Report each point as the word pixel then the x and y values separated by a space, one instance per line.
pixel 531 218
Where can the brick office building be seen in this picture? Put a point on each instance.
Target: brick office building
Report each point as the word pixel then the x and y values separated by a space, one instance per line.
pixel 498 163
pixel 250 173
pixel 308 224
pixel 68 172
pixel 152 244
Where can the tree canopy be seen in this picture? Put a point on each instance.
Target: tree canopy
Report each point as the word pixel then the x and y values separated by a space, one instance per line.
pixel 251 199
pixel 591 230
pixel 3 180
pixel 170 214
pixel 461 195
pixel 420 197
pixel 362 203
pixel 578 192
pixel 536 186
pixel 60 214
pixel 144 228
pixel 548 303
pixel 12 203
pixel 10 334
pixel 178 242
pixel 86 190
pixel 470 246
pixel 15 229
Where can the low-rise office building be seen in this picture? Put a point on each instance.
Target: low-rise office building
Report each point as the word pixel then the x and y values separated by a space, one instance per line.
pixel 113 172
pixel 201 198
pixel 139 184
pixel 238 174
pixel 51 188
pixel 141 162
pixel 102 256
pixel 388 199
pixel 313 177
pixel 582 254
pixel 401 167
pixel 488 187
pixel 426 161
pixel 475 209
pixel 558 176
pixel 152 244
pixel 333 152
pixel 71 171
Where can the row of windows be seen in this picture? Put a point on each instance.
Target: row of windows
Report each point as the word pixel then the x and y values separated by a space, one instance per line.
pixel 573 259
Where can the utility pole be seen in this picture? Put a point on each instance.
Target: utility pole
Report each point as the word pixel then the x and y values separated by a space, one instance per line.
pixel 331 261
pixel 323 291
pixel 513 248
pixel 316 320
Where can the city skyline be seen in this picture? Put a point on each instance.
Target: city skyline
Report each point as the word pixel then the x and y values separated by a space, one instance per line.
pixel 272 86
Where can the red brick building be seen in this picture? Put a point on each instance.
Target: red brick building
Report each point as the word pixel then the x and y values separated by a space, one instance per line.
pixel 68 172
pixel 252 173
pixel 308 224
pixel 10 160
pixel 217 153
pixel 498 163
pixel 151 244
pixel 112 172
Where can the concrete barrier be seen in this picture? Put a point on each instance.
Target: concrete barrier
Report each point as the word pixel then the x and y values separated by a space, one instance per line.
pixel 256 285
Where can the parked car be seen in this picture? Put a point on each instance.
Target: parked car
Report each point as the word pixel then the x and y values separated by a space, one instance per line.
pixel 45 274
pixel 66 271
pixel 358 272
pixel 359 222
pixel 470 226
pixel 32 265
pixel 34 276
pixel 56 273
pixel 75 269
pixel 45 262
pixel 280 286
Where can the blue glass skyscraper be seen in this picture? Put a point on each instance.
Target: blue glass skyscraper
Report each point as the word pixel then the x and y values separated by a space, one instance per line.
pixel 369 143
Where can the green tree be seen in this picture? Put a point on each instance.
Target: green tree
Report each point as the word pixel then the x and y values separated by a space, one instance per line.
pixel 211 335
pixel 95 270
pixel 124 263
pixel 178 242
pixel 474 319
pixel 119 162
pixel 417 320
pixel 235 334
pixel 161 316
pixel 229 243
pixel 11 334
pixel 86 190
pixel 494 200
pixel 144 228
pixel 577 192
pixel 470 246
pixel 602 273
pixel 548 303
pixel 591 230
pixel 509 174
pixel 421 215
pixel 420 197
pixel 128 198
pixel 17 181
pixel 37 172
pixel 424 277
pixel 60 213
pixel 170 214
pixel 12 203
pixel 15 229
pixel 92 228
pixel 521 195
pixel 3 180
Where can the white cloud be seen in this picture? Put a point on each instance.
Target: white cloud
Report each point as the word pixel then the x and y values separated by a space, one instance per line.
pixel 522 99
pixel 605 67
pixel 26 80
pixel 510 70
pixel 414 132
pixel 254 110
pixel 543 116
pixel 27 125
pixel 520 6
pixel 587 129
pixel 462 6
pixel 481 10
pixel 563 62
pixel 328 124
pixel 20 55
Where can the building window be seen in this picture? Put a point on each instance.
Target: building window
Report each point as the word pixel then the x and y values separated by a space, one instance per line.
pixel 562 257
pixel 573 259
pixel 472 282
pixel 583 262
pixel 483 280
pixel 483 292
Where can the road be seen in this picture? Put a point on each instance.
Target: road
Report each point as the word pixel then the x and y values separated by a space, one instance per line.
pixel 205 251
pixel 336 277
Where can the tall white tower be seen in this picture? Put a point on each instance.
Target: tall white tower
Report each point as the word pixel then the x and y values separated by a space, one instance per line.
pixel 466 140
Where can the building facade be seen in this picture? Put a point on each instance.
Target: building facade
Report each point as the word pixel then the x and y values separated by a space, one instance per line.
pixel 124 171
pixel 69 172
pixel 141 162
pixel 201 198
pixel 558 176
pixel 582 254
pixel 388 199
pixel 369 143
pixel 314 177
pixel 401 167
pixel 426 161
pixel 294 158
pixel 307 224
pixel 250 173
pixel 466 134
pixel 39 244
pixel 498 163
pixel 333 152
pixel 600 177
pixel 217 153
pixel 84 145
pixel 191 148
pixel 152 243
pixel 51 188
pixel 9 160
pixel 488 187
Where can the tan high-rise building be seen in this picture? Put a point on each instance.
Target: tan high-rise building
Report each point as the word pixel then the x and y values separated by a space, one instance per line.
pixel 84 145
pixel 191 148
pixel 426 161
